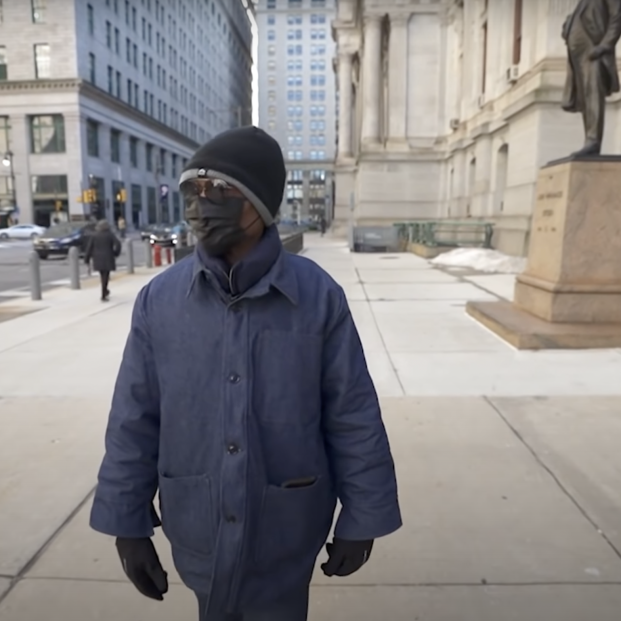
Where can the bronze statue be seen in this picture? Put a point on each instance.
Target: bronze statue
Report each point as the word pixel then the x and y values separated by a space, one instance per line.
pixel 591 33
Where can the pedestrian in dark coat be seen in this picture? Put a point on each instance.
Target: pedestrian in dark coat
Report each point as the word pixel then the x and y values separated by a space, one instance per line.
pixel 244 398
pixel 103 248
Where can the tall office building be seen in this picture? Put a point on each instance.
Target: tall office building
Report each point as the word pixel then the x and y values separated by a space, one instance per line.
pixel 297 100
pixel 114 96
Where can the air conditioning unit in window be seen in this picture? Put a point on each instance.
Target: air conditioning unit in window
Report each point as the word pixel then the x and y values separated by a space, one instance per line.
pixel 454 124
pixel 513 73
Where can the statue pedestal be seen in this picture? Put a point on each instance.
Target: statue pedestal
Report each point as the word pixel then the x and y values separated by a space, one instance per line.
pixel 569 296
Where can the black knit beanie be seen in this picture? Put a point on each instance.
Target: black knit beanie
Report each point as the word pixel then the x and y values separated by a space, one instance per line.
pixel 250 160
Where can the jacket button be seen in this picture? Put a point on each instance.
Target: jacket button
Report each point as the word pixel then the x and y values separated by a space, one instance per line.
pixel 231 519
pixel 234 378
pixel 232 449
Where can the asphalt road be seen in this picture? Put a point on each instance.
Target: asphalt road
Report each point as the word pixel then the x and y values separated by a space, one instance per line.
pixel 15 268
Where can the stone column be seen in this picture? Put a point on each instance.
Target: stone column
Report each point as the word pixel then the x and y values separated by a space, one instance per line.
pixel 398 80
pixel 345 106
pixel 371 78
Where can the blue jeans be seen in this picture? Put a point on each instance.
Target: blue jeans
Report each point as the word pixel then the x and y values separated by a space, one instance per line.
pixel 292 609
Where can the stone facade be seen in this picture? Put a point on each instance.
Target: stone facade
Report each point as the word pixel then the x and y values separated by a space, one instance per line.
pixel 450 107
pixel 153 77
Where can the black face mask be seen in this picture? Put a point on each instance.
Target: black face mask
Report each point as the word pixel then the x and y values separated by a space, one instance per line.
pixel 216 225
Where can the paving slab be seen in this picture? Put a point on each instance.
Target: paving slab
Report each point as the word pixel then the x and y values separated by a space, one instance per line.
pixel 405 276
pixel 477 506
pixel 366 325
pixel 79 553
pixel 386 380
pixel 508 373
pixel 66 600
pixel 457 603
pixel 50 450
pixel 398 261
pixel 501 285
pixel 430 332
pixel 577 438
pixel 5 583
pixel 426 291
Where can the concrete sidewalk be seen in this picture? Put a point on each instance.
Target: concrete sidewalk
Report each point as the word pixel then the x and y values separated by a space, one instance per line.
pixel 508 461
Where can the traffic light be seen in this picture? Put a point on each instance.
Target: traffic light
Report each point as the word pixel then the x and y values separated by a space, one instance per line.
pixel 89 196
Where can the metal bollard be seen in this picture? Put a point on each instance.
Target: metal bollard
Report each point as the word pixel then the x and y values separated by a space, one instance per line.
pixel 148 253
pixel 35 276
pixel 74 266
pixel 130 256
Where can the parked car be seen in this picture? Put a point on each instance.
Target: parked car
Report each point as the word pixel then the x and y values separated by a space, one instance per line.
pixel 147 231
pixel 170 235
pixel 22 231
pixel 58 239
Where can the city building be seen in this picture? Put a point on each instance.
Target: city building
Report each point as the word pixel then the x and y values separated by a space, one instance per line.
pixel 114 96
pixel 297 100
pixel 449 108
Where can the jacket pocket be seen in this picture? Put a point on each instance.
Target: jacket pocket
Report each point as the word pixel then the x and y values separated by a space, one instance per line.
pixel 188 513
pixel 294 522
pixel 287 377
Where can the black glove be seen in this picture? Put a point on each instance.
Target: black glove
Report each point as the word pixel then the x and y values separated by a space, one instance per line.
pixel 346 557
pixel 143 567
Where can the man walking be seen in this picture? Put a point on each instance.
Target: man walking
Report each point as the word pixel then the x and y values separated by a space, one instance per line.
pixel 103 248
pixel 244 398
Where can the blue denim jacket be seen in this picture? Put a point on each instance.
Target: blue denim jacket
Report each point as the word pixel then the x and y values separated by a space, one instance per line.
pixel 251 411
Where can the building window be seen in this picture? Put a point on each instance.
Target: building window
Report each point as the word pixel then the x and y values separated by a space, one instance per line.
pixel 173 163
pixel 91 19
pixel 117 41
pixel 271 20
pixel 109 35
pixel 271 4
pixel 130 91
pixel 49 184
pixel 135 54
pixel 133 152
pixel 317 4
pixel 92 68
pixel 271 50
pixel 110 80
pixel 134 20
pixel 271 65
pixel 271 110
pixel 92 138
pixel 271 35
pixel 118 84
pixel 149 157
pixel 115 146
pixel 4 67
pixel 38 11
pixel 47 134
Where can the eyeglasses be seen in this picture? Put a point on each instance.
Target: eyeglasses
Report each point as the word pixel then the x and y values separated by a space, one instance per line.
pixel 215 190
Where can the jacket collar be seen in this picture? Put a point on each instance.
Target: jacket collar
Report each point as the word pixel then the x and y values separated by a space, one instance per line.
pixel 266 266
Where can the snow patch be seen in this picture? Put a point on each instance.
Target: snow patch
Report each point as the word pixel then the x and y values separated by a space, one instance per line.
pixel 481 260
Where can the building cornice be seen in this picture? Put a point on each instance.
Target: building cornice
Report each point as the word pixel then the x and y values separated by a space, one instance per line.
pixel 86 89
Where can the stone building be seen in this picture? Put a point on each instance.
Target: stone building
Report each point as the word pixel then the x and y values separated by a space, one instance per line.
pixel 114 95
pixel 448 108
